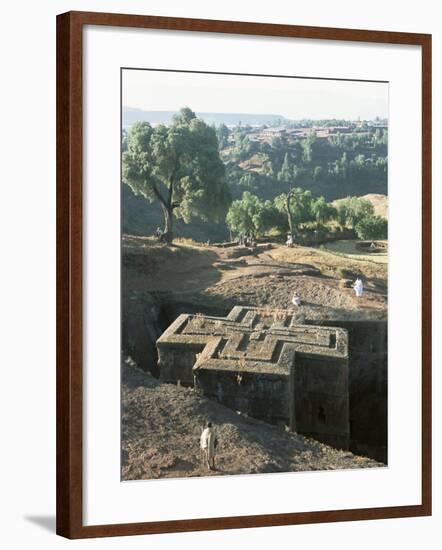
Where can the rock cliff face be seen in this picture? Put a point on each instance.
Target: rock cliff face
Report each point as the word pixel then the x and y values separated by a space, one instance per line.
pixel 141 327
pixel 368 385
pixel 145 316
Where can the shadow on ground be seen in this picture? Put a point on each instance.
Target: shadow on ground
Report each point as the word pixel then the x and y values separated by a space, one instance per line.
pixel 45 522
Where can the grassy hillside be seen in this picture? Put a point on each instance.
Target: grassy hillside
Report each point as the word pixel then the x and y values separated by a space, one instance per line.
pixel 379 202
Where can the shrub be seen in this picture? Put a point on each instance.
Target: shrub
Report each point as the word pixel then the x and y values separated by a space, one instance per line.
pixel 345 273
pixel 352 210
pixel 372 227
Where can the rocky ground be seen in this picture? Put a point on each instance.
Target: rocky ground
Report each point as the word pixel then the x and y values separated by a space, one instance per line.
pixel 161 426
pixel 161 423
pixel 266 275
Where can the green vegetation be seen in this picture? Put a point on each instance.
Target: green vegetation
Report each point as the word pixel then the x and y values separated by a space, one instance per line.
pixel 372 227
pixel 346 273
pixel 298 209
pixel 340 165
pixel 251 216
pixel 179 166
pixel 296 205
pixel 352 210
pixel 279 180
pixel 322 211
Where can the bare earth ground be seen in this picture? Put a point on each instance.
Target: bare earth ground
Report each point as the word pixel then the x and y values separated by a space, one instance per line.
pixel 267 275
pixel 161 426
pixel 272 277
pixel 161 423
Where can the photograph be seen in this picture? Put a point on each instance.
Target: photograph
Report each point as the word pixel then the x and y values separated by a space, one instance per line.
pixel 254 274
pixel 219 254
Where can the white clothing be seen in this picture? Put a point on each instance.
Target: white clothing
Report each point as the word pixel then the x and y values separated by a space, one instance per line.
pixel 358 288
pixel 296 300
pixel 207 441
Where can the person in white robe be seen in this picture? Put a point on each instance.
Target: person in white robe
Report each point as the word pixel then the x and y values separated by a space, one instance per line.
pixel 208 443
pixel 296 300
pixel 358 287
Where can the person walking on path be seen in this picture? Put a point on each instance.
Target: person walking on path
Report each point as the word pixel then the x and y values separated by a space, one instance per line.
pixel 358 287
pixel 208 443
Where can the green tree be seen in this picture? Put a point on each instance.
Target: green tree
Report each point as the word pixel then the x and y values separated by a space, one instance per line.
pixel 322 211
pixel 342 166
pixel 318 173
pixel 244 148
pixel 286 172
pixel 248 215
pixel 271 218
pixel 307 145
pixel 372 227
pixel 278 147
pixel 222 133
pixel 249 179
pixel 353 209
pixel 297 206
pixel 124 140
pixel 178 165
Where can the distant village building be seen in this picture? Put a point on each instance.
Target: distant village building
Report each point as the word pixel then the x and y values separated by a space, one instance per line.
pixel 301 133
pixel 274 131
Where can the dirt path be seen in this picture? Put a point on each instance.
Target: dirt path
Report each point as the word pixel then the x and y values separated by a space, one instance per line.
pixel 272 275
pixel 350 250
pixel 266 275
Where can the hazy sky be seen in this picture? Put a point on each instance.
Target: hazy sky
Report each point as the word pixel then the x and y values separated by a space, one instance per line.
pixel 293 98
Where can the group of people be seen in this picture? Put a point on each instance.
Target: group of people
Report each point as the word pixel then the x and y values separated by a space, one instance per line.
pixel 358 287
pixel 245 240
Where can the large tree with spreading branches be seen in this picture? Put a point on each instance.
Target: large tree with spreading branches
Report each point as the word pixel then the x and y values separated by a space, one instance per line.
pixel 179 166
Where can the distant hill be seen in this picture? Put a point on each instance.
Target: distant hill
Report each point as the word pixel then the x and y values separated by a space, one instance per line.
pixel 379 202
pixel 131 115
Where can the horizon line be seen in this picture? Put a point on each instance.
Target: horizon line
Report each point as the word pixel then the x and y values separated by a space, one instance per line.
pixel 249 113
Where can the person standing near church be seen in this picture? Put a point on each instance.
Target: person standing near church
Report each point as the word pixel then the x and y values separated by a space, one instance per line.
pixel 208 443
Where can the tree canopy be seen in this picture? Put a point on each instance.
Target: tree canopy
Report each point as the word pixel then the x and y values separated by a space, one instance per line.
pixel 297 206
pixel 322 211
pixel 251 216
pixel 372 227
pixel 179 166
pixel 353 209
